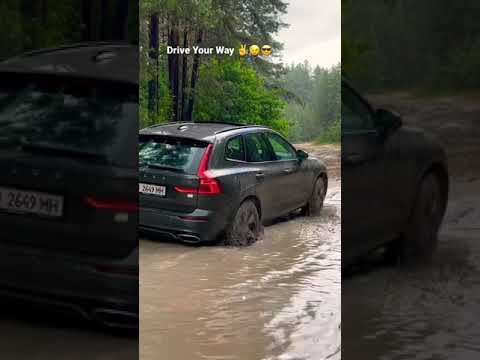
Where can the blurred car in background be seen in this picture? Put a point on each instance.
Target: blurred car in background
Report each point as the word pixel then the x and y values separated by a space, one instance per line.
pixel 395 184
pixel 69 180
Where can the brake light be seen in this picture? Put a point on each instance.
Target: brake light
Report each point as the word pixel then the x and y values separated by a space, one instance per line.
pixel 116 205
pixel 208 185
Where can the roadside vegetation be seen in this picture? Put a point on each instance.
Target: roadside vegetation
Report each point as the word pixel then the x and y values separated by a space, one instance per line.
pixel 32 25
pixel 301 102
pixel 412 45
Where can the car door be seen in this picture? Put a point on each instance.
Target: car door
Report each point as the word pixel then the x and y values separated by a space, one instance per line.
pixel 363 180
pixel 292 178
pixel 267 173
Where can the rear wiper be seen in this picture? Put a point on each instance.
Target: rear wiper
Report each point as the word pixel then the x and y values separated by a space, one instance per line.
pixel 47 149
pixel 161 167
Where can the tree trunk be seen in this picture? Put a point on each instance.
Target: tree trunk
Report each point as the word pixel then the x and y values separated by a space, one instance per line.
pixel 184 77
pixel 173 71
pixel 153 55
pixel 195 67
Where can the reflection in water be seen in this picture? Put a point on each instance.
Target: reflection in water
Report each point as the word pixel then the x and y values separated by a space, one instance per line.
pixel 278 299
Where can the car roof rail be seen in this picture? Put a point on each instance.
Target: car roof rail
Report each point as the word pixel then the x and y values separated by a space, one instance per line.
pixel 243 126
pixel 234 125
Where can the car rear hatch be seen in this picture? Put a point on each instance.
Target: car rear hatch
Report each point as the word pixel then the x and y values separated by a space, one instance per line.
pixel 68 182
pixel 169 172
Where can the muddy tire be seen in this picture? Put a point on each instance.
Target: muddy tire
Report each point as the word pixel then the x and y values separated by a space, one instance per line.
pixel 315 204
pixel 420 240
pixel 245 227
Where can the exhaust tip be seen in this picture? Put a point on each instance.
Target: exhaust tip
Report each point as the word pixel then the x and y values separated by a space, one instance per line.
pixel 189 238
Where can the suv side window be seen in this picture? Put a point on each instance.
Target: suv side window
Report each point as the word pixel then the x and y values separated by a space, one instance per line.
pixel 281 148
pixel 257 148
pixel 356 115
pixel 235 150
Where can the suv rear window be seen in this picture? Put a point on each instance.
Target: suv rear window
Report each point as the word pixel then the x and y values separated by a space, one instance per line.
pixel 171 153
pixel 67 115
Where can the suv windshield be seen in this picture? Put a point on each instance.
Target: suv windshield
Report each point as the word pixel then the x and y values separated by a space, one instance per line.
pixel 175 154
pixel 73 118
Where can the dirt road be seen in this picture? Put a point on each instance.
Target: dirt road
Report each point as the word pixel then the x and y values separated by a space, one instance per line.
pixel 429 312
pixel 278 299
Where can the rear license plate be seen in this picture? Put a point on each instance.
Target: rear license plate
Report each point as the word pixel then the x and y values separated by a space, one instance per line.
pixel 31 202
pixel 149 189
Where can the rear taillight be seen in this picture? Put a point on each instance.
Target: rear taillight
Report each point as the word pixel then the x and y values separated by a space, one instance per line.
pixel 208 185
pixel 115 205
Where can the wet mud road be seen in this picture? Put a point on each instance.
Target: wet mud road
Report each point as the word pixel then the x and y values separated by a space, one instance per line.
pixel 428 312
pixel 39 334
pixel 277 299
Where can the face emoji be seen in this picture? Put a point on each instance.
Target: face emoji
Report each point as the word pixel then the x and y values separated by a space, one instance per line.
pixel 254 50
pixel 266 50
pixel 243 50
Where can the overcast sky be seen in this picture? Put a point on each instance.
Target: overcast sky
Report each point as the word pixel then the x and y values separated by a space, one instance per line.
pixel 314 33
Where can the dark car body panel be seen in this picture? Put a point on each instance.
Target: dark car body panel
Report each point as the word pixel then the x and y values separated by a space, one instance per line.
pixel 381 174
pixel 264 182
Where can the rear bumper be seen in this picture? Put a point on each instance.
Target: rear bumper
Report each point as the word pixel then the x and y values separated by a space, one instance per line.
pixel 70 284
pixel 196 227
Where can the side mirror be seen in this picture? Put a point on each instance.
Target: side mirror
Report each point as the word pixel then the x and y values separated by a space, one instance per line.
pixel 302 155
pixel 387 121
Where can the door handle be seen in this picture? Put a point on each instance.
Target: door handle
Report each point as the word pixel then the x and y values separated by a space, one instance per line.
pixel 287 171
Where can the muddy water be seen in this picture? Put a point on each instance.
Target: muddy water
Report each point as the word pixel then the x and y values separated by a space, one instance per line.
pixel 278 299
pixel 428 312
pixel 31 338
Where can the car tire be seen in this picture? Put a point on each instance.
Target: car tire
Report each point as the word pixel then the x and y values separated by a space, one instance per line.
pixel 315 204
pixel 245 228
pixel 420 240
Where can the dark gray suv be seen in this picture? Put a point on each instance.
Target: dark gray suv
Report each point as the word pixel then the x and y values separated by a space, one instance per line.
pixel 202 181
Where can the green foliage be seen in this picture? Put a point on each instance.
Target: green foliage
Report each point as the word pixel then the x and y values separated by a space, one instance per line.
pixel 25 29
pixel 42 24
pixel 316 108
pixel 331 135
pixel 301 103
pixel 148 72
pixel 232 91
pixel 397 44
